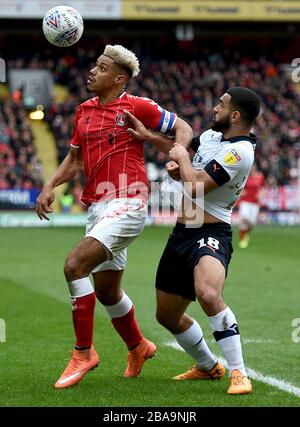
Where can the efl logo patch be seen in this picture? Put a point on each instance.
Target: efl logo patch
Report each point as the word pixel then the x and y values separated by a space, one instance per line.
pixel 232 158
pixel 236 155
pixel 121 119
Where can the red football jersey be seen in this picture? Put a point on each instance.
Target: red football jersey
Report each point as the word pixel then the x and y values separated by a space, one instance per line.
pixel 113 158
pixel 252 188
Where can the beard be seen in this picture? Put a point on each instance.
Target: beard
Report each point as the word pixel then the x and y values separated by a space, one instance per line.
pixel 221 125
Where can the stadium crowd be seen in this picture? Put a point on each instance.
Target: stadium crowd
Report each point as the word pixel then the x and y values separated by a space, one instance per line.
pixel 189 87
pixel 19 164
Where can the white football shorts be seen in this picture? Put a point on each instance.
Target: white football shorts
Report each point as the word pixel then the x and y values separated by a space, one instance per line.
pixel 115 223
pixel 249 211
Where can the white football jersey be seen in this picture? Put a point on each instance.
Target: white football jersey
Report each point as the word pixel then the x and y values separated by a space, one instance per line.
pixel 228 162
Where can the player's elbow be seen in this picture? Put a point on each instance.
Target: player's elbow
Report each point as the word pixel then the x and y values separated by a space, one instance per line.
pixel 190 132
pixel 78 165
pixel 185 129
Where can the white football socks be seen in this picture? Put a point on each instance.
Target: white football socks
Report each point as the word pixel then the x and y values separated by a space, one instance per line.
pixel 193 343
pixel 227 336
pixel 80 287
pixel 121 308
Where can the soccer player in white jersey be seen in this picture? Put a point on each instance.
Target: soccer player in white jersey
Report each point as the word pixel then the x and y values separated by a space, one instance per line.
pixel 116 194
pixel 195 261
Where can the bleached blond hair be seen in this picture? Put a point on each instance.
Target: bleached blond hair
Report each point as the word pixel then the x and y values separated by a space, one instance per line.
pixel 123 56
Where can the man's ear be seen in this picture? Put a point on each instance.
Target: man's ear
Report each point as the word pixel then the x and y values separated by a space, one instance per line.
pixel 235 116
pixel 120 78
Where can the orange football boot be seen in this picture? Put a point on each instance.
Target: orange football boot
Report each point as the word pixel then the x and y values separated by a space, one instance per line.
pixel 138 356
pixel 194 373
pixel 80 364
pixel 239 384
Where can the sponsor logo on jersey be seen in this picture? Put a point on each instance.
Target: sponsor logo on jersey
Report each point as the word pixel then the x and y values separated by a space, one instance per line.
pixel 232 158
pixel 121 119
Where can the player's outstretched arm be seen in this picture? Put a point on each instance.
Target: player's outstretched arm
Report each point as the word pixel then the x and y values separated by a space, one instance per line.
pixel 66 171
pixel 183 134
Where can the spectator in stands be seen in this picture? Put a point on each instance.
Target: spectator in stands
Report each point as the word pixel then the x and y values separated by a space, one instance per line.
pixel 20 167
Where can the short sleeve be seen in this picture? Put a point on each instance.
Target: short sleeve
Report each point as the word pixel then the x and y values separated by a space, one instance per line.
pixel 75 140
pixel 235 158
pixel 153 116
pixel 232 160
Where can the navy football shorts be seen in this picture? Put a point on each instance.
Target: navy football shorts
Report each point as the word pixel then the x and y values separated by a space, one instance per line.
pixel 175 273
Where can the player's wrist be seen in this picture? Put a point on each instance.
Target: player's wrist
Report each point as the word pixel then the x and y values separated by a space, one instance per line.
pixel 49 185
pixel 184 159
pixel 151 136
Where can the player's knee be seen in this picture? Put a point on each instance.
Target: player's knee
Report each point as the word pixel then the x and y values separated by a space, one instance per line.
pixel 73 269
pixel 208 296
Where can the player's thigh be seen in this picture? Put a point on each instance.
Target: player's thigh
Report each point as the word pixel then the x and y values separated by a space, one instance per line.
pixel 173 275
pixel 170 307
pixel 209 277
pixel 116 224
pixel 87 254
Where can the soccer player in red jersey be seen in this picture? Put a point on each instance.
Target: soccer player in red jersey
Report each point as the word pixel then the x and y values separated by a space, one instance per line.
pixel 249 205
pixel 116 195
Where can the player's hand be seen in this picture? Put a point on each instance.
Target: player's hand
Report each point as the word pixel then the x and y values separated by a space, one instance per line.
pixel 178 152
pixel 173 170
pixel 44 201
pixel 139 131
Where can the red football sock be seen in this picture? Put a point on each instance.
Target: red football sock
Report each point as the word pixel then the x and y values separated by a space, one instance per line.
pixel 128 329
pixel 83 319
pixel 243 234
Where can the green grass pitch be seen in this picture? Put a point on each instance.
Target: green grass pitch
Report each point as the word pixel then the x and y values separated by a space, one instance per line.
pixel 262 289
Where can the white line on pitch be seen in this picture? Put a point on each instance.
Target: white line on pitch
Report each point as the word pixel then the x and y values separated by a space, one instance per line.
pixel 274 382
pixel 253 341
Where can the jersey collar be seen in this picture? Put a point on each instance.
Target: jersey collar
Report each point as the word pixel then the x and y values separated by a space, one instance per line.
pixel 252 138
pixel 96 99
